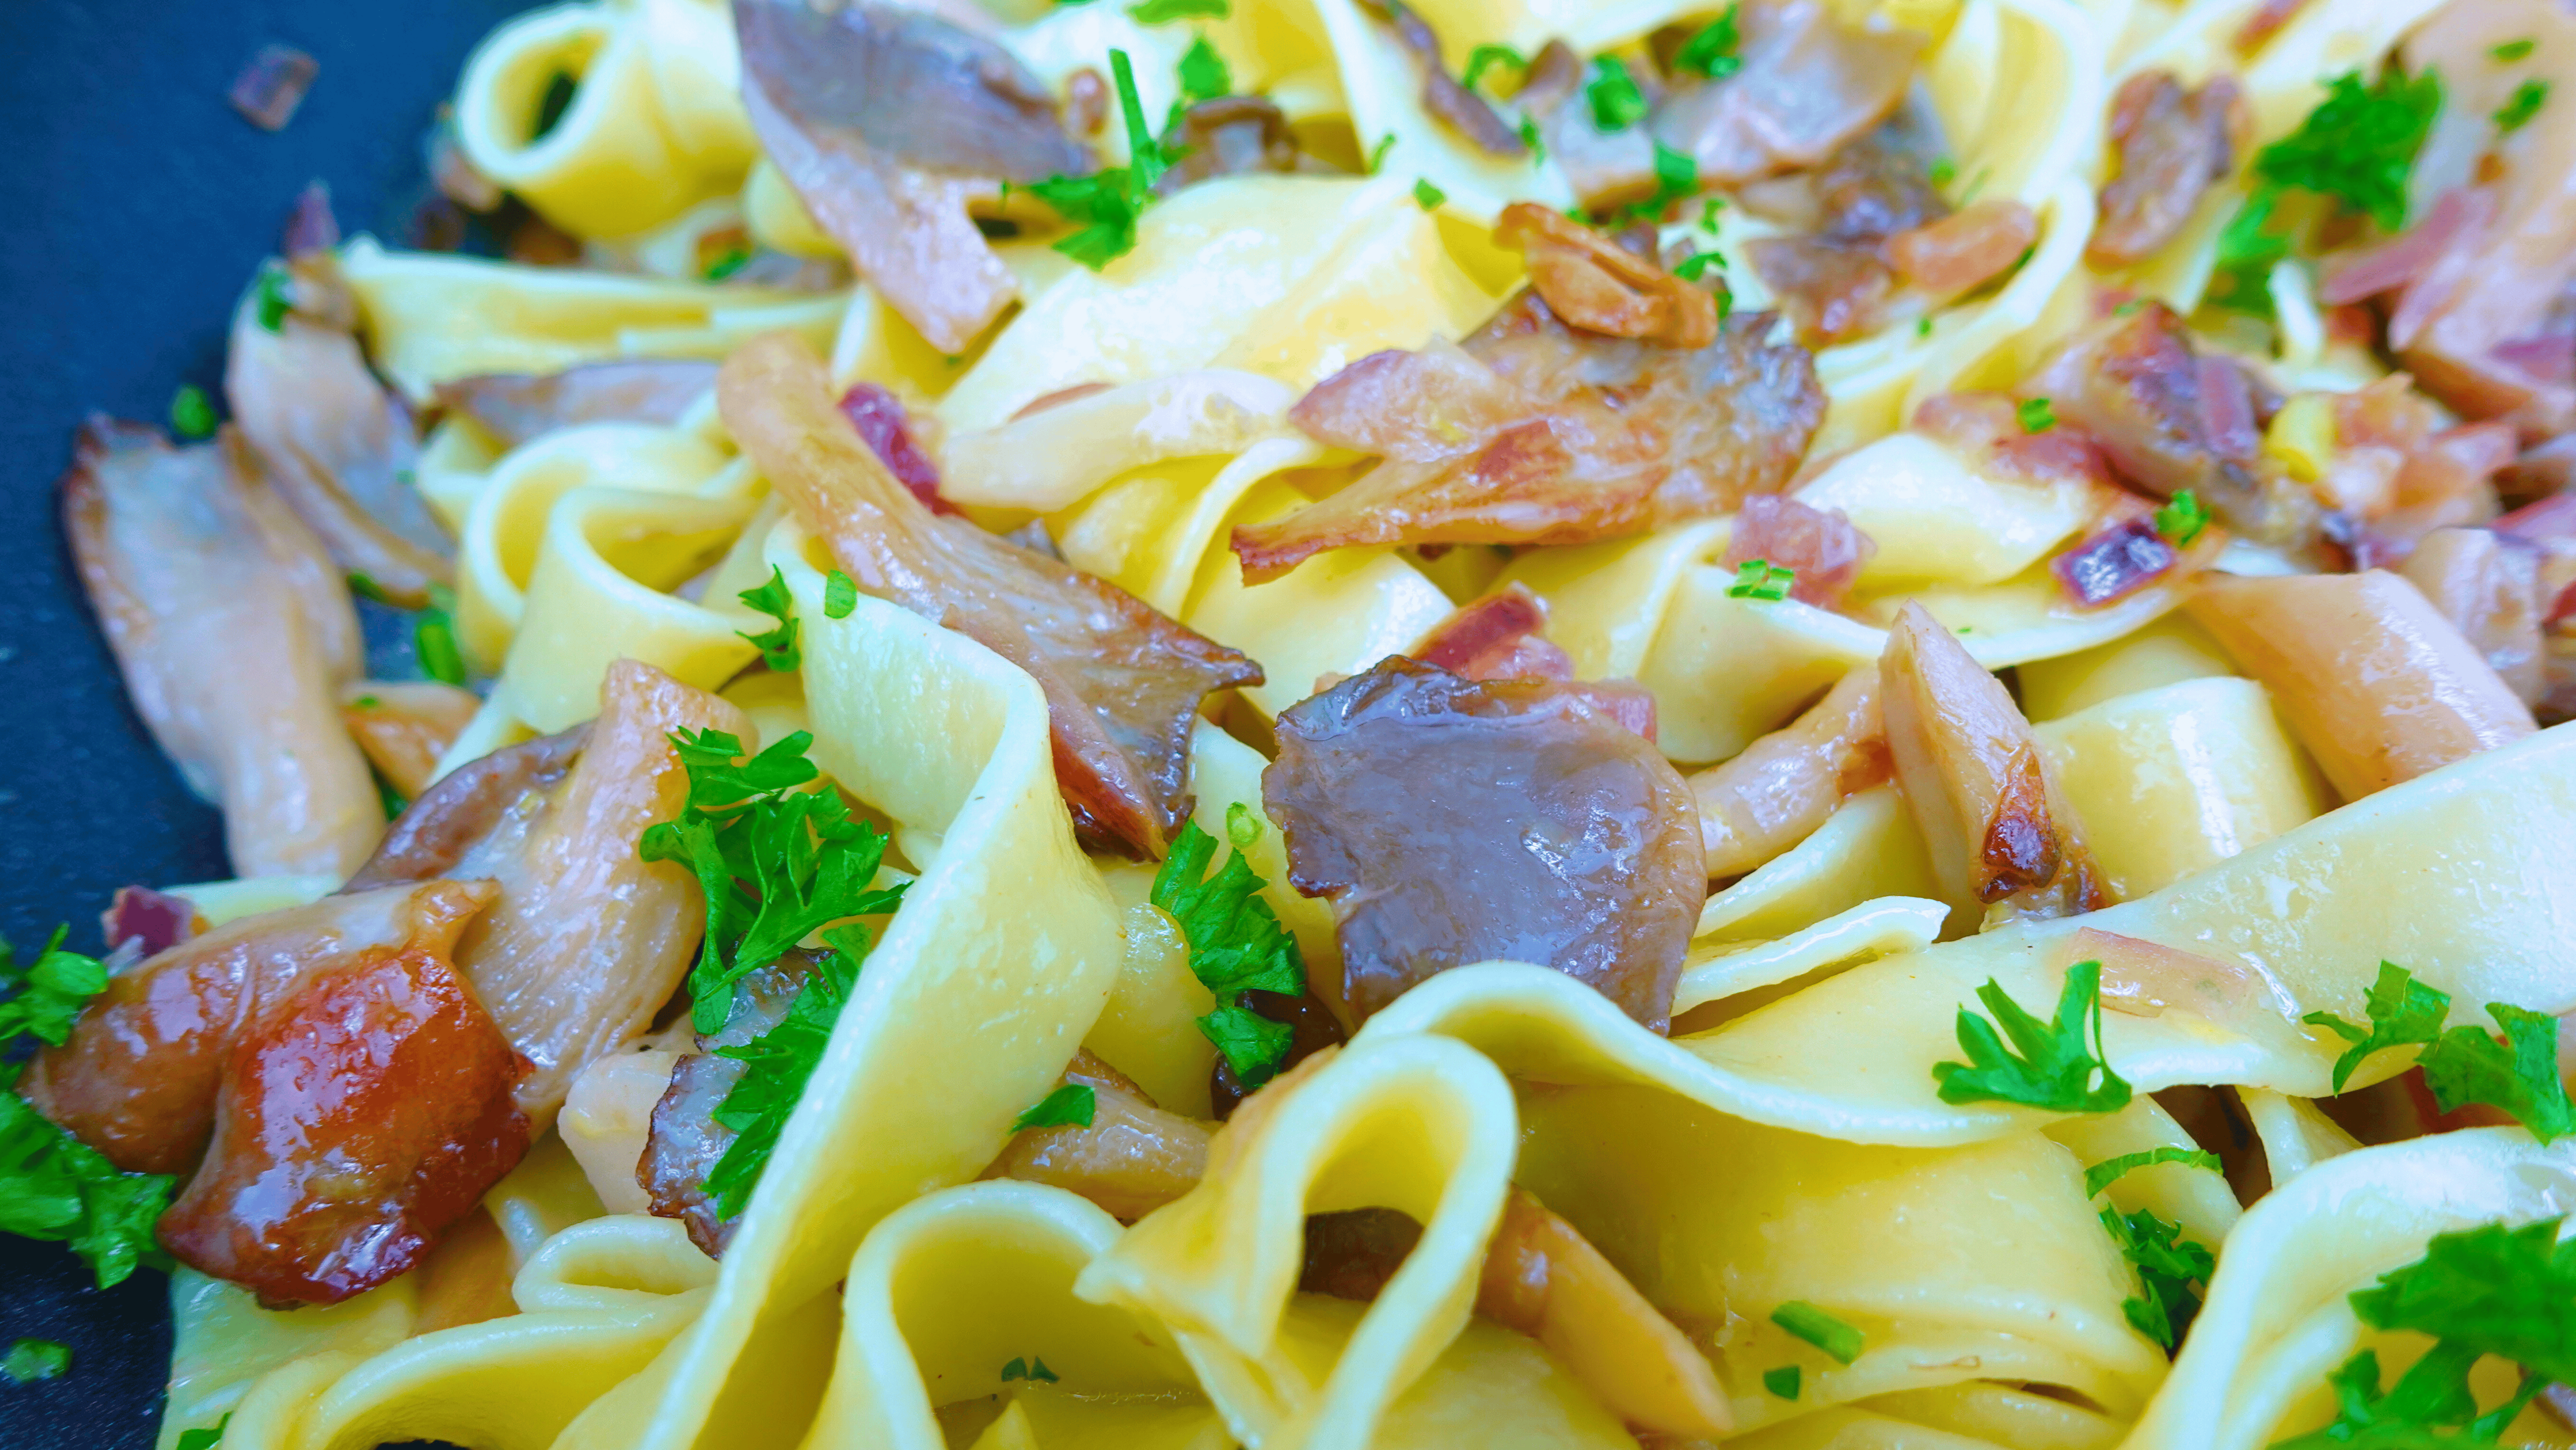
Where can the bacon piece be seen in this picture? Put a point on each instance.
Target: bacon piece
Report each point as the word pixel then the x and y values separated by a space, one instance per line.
pixel 1133 1157
pixel 336 446
pixel 1442 95
pixel 150 921
pixel 888 121
pixel 1826 549
pixel 1496 638
pixel 2488 585
pixel 1779 790
pixel 1606 168
pixel 1574 438
pixel 2372 679
pixel 1834 275
pixel 404 726
pixel 2114 563
pixel 2173 144
pixel 1599 286
pixel 1974 779
pixel 515 407
pixel 686 1142
pixel 1230 136
pixel 1123 683
pixel 233 632
pixel 588 939
pixel 347 1094
pixel 271 87
pixel 2168 419
pixel 887 430
pixel 1807 87
pixel 1450 821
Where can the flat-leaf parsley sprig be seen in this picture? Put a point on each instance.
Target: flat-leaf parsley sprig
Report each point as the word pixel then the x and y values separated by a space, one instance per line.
pixel 2465 1064
pixel 2054 1069
pixel 1108 201
pixel 1236 944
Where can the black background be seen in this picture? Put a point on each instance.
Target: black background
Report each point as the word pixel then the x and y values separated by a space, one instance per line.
pixel 137 205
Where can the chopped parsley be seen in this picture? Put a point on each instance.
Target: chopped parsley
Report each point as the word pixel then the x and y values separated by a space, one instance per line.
pixel 2242 277
pixel 48 993
pixel 2513 50
pixel 1032 1369
pixel 1204 75
pixel 1782 1381
pixel 840 595
pixel 776 863
pixel 389 800
pixel 1236 943
pixel 1708 214
pixel 1109 200
pixel 2168 1265
pixel 2182 520
pixel 275 297
pixel 2488 1290
pixel 778 648
pixel 1377 153
pixel 1428 195
pixel 2035 415
pixel 2517 112
pixel 780 1062
pixel 2111 1170
pixel 2465 1064
pixel 1529 137
pixel 1923 327
pixel 1163 12
pixel 1697 264
pixel 1616 102
pixel 433 638
pixel 2360 142
pixel 730 261
pixel 1485 57
pixel 56 1188
pixel 365 587
pixel 30 1360
pixel 1838 1340
pixel 1761 579
pixel 1942 171
pixel 1711 53
pixel 202 1438
pixel 192 413
pixel 2053 1071
pixel 1070 1106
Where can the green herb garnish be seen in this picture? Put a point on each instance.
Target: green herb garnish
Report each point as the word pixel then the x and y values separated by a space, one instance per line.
pixel 1529 138
pixel 203 1438
pixel 1428 195
pixel 433 638
pixel 1782 1381
pixel 1838 1340
pixel 1711 52
pixel 30 1360
pixel 778 648
pixel 1109 201
pixel 1762 579
pixel 1377 153
pixel 779 1063
pixel 2053 1070
pixel 1071 1106
pixel 2358 145
pixel 47 994
pixel 1485 57
pixel 1163 12
pixel 840 595
pixel 192 413
pixel 2513 50
pixel 1616 102
pixel 733 260
pixel 2109 1171
pixel 2516 113
pixel 2465 1064
pixel 1030 1369
pixel 1236 943
pixel 2035 415
pixel 275 298
pixel 2168 1265
pixel 56 1188
pixel 2182 520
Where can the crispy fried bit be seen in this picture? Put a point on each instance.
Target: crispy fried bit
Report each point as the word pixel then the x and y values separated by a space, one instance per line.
pixel 1595 284
pixel 1782 787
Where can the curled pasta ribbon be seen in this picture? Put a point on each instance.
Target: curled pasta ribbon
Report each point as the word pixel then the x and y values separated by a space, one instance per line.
pixel 2277 1322
pixel 1423 1126
pixel 655 124
pixel 981 987
pixel 949 1289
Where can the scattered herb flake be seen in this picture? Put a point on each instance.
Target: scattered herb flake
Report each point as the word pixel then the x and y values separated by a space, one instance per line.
pixel 433 638
pixel 1428 195
pixel 1616 102
pixel 192 413
pixel 1377 153
pixel 1072 1105
pixel 2035 415
pixel 1485 57
pixel 2402 1012
pixel 778 647
pixel 1033 1369
pixel 2183 519
pixel 1109 201
pixel 1761 579
pixel 1923 327
pixel 2242 278
pixel 2513 50
pixel 276 299
pixel 30 1360
pixel 732 260
pixel 840 595
pixel 1697 265
pixel 1838 1340
pixel 2516 113
pixel 1782 1382
pixel 2053 1069
pixel 1529 137
pixel 1708 214
pixel 1712 53
pixel 365 587
pixel 203 1438
pixel 1942 171
pixel 1163 12
pixel 56 1188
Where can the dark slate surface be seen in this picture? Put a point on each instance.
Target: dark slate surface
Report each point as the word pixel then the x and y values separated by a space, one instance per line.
pixel 137 204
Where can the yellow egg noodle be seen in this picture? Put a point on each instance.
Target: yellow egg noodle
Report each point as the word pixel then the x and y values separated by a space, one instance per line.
pixel 1834 1249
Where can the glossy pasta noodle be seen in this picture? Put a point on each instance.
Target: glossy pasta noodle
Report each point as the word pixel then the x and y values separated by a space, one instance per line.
pixel 1319 723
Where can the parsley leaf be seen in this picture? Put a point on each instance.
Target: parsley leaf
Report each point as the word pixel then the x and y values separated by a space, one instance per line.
pixel 1163 12
pixel 276 297
pixel 2519 1075
pixel 2183 519
pixel 1204 75
pixel 779 1064
pixel 2035 415
pixel 2246 253
pixel 775 863
pixel 192 413
pixel 1616 102
pixel 777 646
pixel 732 260
pixel 1236 943
pixel 30 1360
pixel 1761 579
pixel 1109 200
pixel 1529 137
pixel 1711 53
pixel 840 595
pixel 56 1188
pixel 2526 102
pixel 2053 1070
pixel 1942 171
pixel 1486 57
pixel 1428 196
pixel 202 1438
pixel 1839 1340
pixel 1032 1369
pixel 433 638
pixel 2360 142
pixel 2111 1170
pixel 49 992
pixel 2513 50
pixel 1696 265
pixel 2168 1265
pixel 2405 1013
pixel 1708 214
pixel 1782 1381
pixel 1070 1106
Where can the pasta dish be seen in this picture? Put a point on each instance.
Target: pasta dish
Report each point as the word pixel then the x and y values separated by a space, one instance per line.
pixel 1319 724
